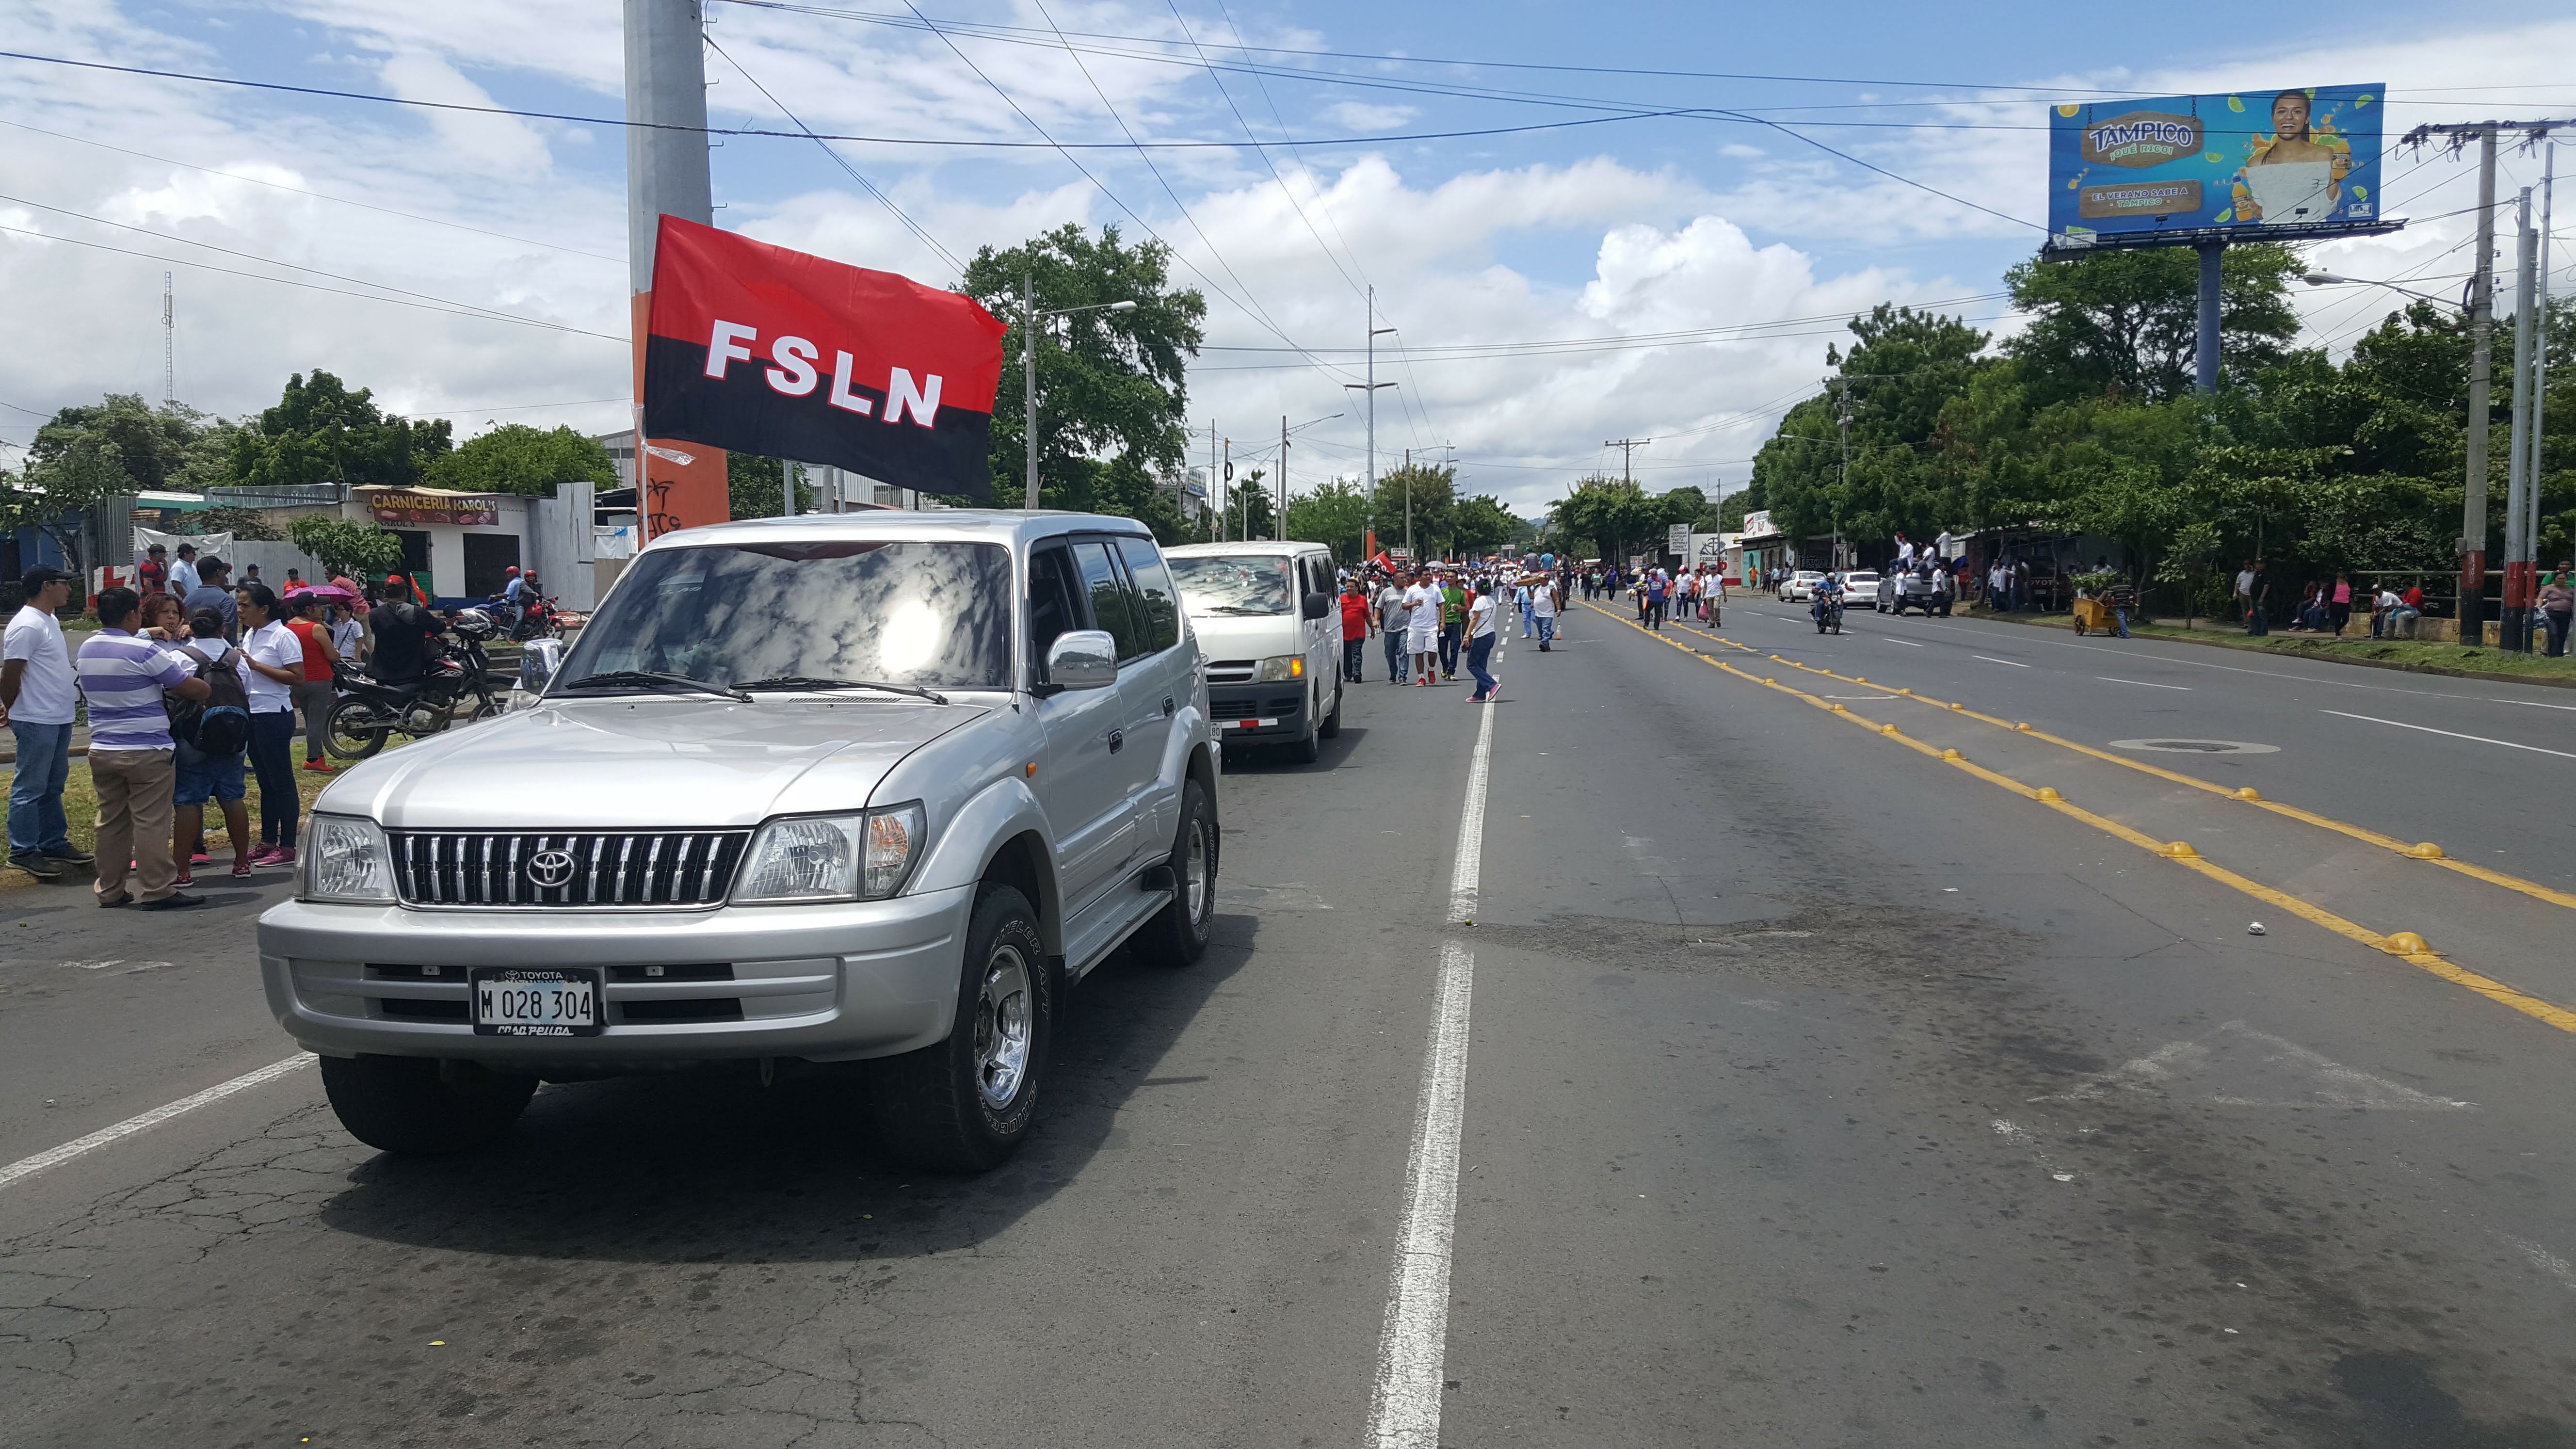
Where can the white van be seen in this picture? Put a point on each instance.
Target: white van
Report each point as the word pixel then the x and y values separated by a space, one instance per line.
pixel 1270 630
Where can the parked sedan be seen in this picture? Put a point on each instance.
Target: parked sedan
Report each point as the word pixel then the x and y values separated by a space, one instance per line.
pixel 1800 587
pixel 1860 589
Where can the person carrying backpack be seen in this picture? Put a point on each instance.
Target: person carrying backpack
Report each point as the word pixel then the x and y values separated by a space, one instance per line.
pixel 212 736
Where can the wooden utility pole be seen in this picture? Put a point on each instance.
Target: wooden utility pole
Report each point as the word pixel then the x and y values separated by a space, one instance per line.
pixel 1627 456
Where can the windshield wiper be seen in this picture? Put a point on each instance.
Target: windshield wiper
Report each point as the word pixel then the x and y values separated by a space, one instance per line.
pixel 655 679
pixel 807 681
pixel 1241 609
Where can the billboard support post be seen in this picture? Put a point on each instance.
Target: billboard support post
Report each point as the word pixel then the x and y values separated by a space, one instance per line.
pixel 666 173
pixel 2205 352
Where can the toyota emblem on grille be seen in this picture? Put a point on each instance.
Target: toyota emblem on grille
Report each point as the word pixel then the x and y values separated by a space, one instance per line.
pixel 550 868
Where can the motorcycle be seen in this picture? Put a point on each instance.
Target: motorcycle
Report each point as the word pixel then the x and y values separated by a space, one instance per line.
pixel 367 711
pixel 1828 610
pixel 540 620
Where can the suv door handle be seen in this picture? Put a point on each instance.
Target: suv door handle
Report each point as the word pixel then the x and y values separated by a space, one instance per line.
pixel 1167 706
pixel 1117 741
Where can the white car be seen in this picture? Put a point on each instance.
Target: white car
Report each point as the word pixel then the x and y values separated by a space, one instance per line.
pixel 1800 587
pixel 1860 589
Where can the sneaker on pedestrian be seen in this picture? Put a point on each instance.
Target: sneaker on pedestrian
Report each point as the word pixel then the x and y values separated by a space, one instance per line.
pixel 283 855
pixel 184 878
pixel 119 903
pixel 321 767
pixel 42 867
pixel 262 855
pixel 175 901
pixel 241 870
pixel 71 855
pixel 200 858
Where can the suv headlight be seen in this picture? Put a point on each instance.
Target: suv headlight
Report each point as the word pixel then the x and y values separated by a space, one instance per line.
pixel 862 857
pixel 1283 666
pixel 347 862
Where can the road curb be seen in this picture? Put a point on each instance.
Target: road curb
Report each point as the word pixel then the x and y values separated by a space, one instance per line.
pixel 2442 670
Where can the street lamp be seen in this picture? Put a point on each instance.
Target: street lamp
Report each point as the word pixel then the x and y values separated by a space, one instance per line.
pixel 2329 279
pixel 1030 316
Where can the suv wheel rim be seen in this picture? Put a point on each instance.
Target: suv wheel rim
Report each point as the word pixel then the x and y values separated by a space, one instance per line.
pixel 1002 1028
pixel 1195 885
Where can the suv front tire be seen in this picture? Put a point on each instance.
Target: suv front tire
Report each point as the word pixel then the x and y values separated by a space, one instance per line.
pixel 966 1103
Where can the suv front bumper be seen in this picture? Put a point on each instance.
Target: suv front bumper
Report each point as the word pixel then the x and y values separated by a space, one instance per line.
pixel 823 982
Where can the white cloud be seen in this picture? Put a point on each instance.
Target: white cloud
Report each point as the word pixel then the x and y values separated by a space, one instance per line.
pixel 1361 116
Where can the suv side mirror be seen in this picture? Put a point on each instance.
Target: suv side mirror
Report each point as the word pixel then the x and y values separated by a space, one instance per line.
pixel 1316 606
pixel 1082 659
pixel 538 661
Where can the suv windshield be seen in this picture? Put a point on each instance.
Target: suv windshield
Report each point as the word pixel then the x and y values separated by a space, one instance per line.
pixel 926 615
pixel 1243 584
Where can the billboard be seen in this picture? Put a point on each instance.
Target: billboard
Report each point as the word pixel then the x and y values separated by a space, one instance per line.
pixel 2305 157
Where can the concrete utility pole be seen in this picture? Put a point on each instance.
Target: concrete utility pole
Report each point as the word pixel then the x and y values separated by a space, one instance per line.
pixel 2540 367
pixel 678 484
pixel 1627 456
pixel 2514 626
pixel 1370 388
pixel 1029 377
pixel 1280 530
pixel 2473 508
pixel 169 346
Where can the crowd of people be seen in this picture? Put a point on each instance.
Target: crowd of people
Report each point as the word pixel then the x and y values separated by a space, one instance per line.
pixel 1433 618
pixel 192 683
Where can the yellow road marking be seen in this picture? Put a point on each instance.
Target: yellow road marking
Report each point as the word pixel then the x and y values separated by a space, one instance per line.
pixel 2531 888
pixel 2398 946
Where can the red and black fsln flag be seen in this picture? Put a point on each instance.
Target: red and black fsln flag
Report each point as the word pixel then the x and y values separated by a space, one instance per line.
pixel 759 349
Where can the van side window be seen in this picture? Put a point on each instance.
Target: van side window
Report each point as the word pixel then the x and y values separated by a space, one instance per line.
pixel 1158 611
pixel 1111 609
pixel 1054 606
pixel 1319 575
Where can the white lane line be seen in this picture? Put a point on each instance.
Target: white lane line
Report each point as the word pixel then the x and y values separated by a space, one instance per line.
pixel 1471 826
pixel 2143 683
pixel 1908 643
pixel 1404 1403
pixel 1990 659
pixel 1404 1408
pixel 142 1122
pixel 2428 729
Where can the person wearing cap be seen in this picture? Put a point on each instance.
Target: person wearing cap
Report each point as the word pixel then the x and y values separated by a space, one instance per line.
pixel 154 571
pixel 38 700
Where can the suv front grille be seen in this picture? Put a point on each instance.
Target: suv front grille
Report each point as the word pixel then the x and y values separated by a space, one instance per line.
pixel 671 868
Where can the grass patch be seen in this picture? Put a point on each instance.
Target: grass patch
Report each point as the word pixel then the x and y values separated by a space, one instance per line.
pixel 80 802
pixel 2357 647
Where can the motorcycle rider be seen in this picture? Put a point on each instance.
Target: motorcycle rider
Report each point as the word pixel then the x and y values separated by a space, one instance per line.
pixel 1828 592
pixel 403 632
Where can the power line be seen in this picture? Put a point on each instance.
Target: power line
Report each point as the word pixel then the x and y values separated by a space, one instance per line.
pixel 290 266
pixel 316 195
pixel 841 161
pixel 478 315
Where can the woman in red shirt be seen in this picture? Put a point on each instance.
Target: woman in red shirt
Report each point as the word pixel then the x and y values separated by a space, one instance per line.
pixel 313 696
pixel 1356 626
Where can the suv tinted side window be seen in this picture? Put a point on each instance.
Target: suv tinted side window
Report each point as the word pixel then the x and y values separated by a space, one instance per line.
pixel 1111 609
pixel 1055 606
pixel 1158 610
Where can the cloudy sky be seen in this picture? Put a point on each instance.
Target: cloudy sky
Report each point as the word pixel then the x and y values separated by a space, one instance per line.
pixel 474 266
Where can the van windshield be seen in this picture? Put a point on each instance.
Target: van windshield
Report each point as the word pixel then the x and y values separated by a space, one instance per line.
pixel 922 615
pixel 1232 584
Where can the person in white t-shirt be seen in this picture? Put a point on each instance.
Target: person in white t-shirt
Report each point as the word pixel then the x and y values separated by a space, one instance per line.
pixel 273 659
pixel 1422 628
pixel 1543 611
pixel 1480 642
pixel 38 699
pixel 1392 612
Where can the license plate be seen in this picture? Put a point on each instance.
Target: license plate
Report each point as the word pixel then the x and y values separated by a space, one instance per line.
pixel 510 1001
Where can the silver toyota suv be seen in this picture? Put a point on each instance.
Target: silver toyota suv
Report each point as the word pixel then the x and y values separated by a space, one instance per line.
pixel 868 789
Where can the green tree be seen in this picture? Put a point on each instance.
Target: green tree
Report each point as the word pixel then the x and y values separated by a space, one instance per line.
pixel 343 546
pixel 1480 525
pixel 1109 383
pixel 1429 492
pixel 1897 385
pixel 754 485
pixel 321 432
pixel 2130 319
pixel 516 458
pixel 1334 515
pixel 1249 511
pixel 1611 516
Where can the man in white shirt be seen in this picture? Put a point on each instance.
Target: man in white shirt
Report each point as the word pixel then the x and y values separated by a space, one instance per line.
pixel 1392 611
pixel 39 699
pixel 183 574
pixel 1542 607
pixel 1422 627
pixel 1480 645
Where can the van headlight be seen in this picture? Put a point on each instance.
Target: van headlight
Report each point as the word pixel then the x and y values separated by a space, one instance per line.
pixel 861 857
pixel 1283 666
pixel 346 863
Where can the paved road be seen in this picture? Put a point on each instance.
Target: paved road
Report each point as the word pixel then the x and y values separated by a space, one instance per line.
pixel 1812 1089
